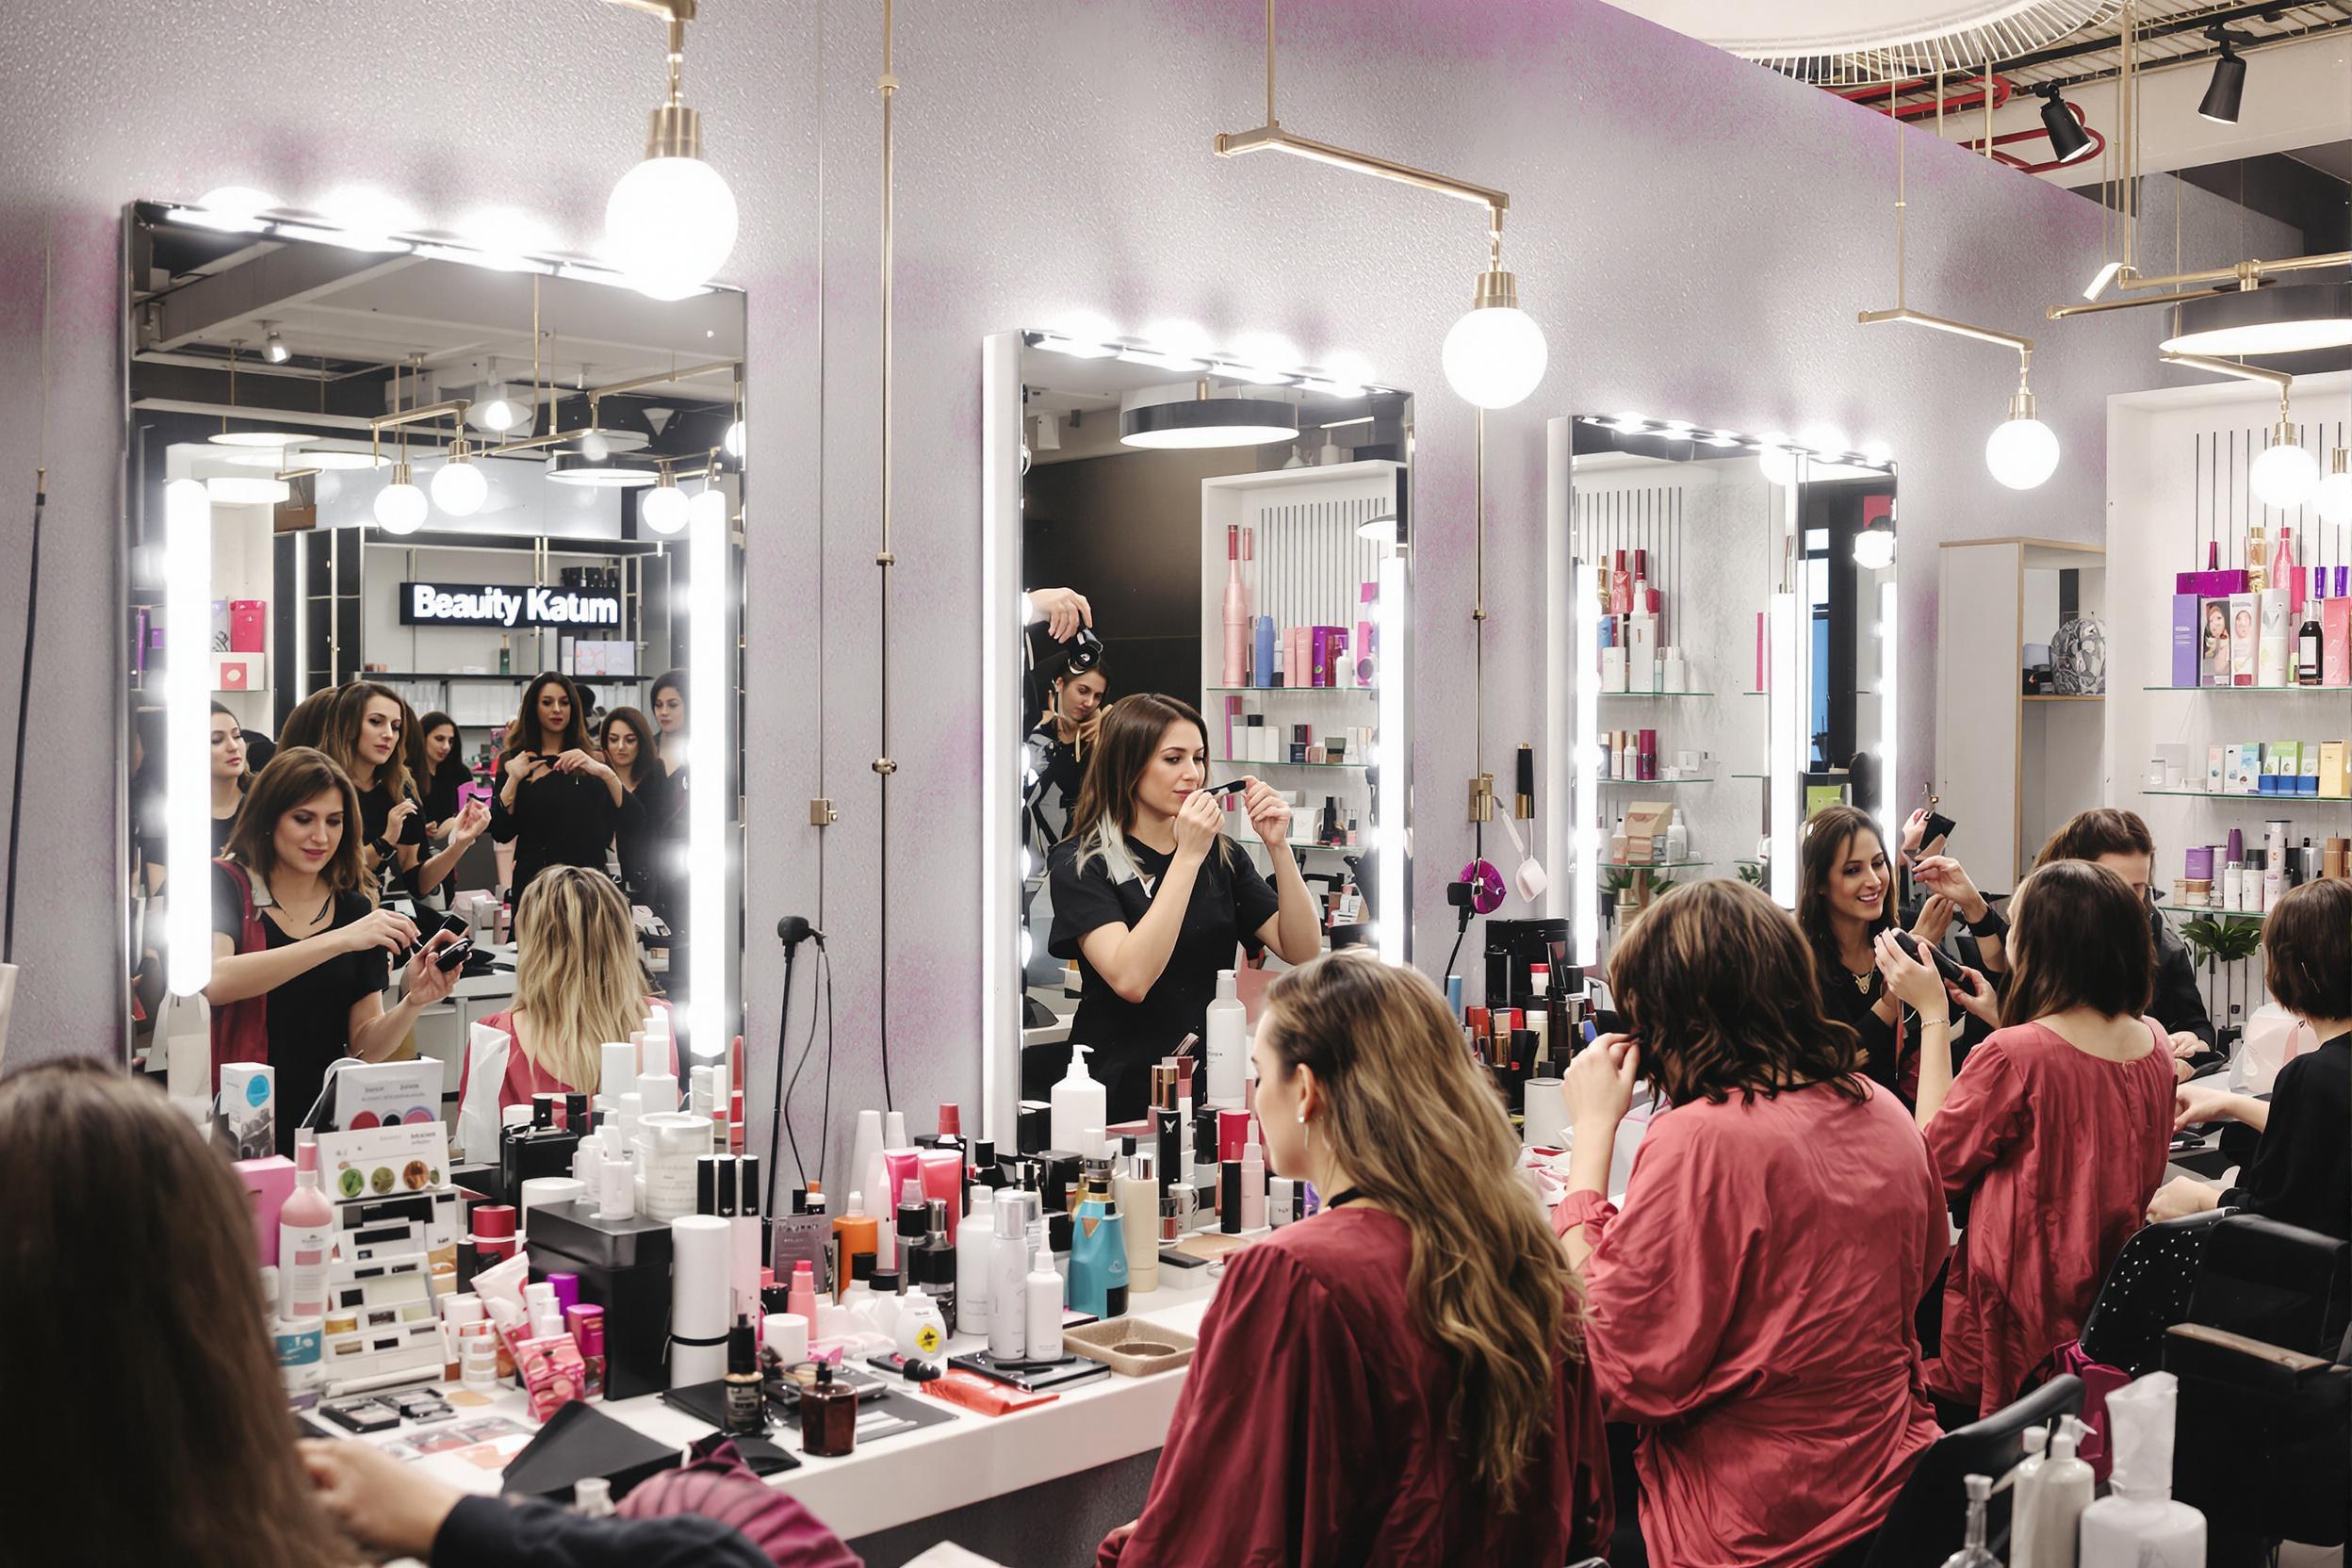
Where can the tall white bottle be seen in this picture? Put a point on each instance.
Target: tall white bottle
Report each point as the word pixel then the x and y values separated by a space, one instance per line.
pixel 2140 1525
pixel 1008 1274
pixel 1078 1103
pixel 2046 1529
pixel 1043 1330
pixel 1228 1042
pixel 2025 1486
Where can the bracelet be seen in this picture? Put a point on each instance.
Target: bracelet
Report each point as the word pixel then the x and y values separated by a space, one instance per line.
pixel 1993 924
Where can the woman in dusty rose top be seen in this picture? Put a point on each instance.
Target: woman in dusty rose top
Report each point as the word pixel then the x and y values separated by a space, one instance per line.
pixel 2055 1131
pixel 1751 1304
pixel 1399 1379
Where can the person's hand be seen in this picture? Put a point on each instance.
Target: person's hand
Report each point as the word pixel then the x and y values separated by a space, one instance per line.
pixel 469 824
pixel 2194 1103
pixel 2182 1195
pixel 1270 813
pixel 1935 922
pixel 577 761
pixel 1092 728
pixel 386 928
pixel 388 1507
pixel 1907 979
pixel 398 818
pixel 1977 997
pixel 1600 1086
pixel 2185 1045
pixel 1115 1543
pixel 1941 874
pixel 1198 824
pixel 424 982
pixel 1062 610
pixel 521 765
pixel 1913 825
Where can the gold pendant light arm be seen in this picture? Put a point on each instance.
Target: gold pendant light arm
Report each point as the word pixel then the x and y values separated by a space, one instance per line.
pixel 2278 379
pixel 1921 319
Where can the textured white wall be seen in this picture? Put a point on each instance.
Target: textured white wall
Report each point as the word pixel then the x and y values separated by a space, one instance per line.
pixel 1694 234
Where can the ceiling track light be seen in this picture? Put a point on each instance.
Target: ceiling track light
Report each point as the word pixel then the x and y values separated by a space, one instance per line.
pixel 1495 356
pixel 2068 141
pixel 670 222
pixel 2222 94
pixel 274 347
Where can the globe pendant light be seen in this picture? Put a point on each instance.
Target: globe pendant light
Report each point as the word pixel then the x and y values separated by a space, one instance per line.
pixel 1495 356
pixel 400 507
pixel 664 507
pixel 1874 547
pixel 2285 473
pixel 670 221
pixel 2332 498
pixel 708 506
pixel 459 487
pixel 2022 451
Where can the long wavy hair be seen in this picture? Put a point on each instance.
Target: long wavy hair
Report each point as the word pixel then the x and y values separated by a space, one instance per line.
pixel 527 733
pixel 648 751
pixel 1420 1129
pixel 349 716
pixel 420 767
pixel 575 971
pixel 1829 837
pixel 294 775
pixel 115 1199
pixel 1724 998
pixel 2079 936
pixel 1124 748
pixel 245 771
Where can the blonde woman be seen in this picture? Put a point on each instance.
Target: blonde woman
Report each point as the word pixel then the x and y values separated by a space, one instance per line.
pixel 577 985
pixel 1401 1378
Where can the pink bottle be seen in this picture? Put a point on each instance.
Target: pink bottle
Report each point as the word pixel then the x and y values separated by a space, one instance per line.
pixel 803 1295
pixel 1620 588
pixel 305 1239
pixel 2283 570
pixel 1367 651
pixel 1236 611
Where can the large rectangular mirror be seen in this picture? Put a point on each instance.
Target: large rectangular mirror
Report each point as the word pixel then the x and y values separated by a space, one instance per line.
pixel 1690 567
pixel 469 526
pixel 1205 580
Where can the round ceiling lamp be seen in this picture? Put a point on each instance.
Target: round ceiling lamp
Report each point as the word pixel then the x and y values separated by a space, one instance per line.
pixel 576 469
pixel 2285 472
pixel 1203 421
pixel 331 459
pixel 670 221
pixel 1778 460
pixel 2283 320
pixel 2332 496
pixel 2022 452
pixel 664 507
pixel 459 486
pixel 1495 356
pixel 254 437
pixel 709 506
pixel 400 507
pixel 1874 547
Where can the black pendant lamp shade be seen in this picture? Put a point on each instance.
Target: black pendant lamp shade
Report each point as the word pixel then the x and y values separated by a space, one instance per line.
pixel 1199 422
pixel 2067 139
pixel 2228 86
pixel 2283 320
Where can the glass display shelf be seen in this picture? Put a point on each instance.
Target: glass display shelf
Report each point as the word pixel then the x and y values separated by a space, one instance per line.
pixel 2339 693
pixel 1653 865
pixel 1656 783
pixel 1235 762
pixel 2254 799
pixel 2066 696
pixel 518 678
pixel 1606 696
pixel 1294 691
pixel 2181 911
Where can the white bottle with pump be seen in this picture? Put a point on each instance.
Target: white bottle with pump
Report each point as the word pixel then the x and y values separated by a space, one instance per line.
pixel 2048 1523
pixel 1079 1103
pixel 1227 1045
pixel 2025 1485
pixel 1042 1332
pixel 2138 1524
pixel 1677 837
pixel 1008 1274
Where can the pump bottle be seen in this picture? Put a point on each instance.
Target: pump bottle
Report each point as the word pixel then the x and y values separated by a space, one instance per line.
pixel 2139 1524
pixel 2045 1527
pixel 1078 1103
pixel 1229 1051
pixel 1097 1259
pixel 2025 1485
pixel 1973 1554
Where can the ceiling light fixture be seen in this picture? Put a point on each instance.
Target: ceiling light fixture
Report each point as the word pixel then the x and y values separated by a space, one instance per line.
pixel 225 436
pixel 1495 356
pixel 664 507
pixel 2286 472
pixel 2222 94
pixel 230 208
pixel 2332 496
pixel 1053 343
pixel 274 347
pixel 1875 547
pixel 1202 421
pixel 246 490
pixel 459 486
pixel 670 222
pixel 2068 141
pixel 2284 319
pixel 400 507
pixel 575 468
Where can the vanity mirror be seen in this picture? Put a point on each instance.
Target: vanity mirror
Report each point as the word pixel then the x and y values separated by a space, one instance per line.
pixel 1687 565
pixel 427 510
pixel 1186 534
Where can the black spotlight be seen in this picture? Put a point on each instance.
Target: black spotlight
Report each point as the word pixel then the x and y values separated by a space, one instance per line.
pixel 2220 104
pixel 2066 136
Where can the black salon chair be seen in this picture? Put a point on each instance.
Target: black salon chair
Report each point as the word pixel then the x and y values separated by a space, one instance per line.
pixel 1929 1521
pixel 2262 1439
pixel 2274 1282
pixel 2146 1291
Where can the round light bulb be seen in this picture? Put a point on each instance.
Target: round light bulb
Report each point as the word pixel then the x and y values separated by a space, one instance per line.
pixel 495 414
pixel 2021 453
pixel 594 447
pixel 460 488
pixel 669 224
pixel 2283 475
pixel 1779 463
pixel 1495 356
pixel 664 509
pixel 2333 499
pixel 401 508
pixel 732 442
pixel 707 508
pixel 1874 550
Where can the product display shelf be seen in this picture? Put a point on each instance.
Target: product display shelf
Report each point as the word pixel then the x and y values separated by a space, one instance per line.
pixel 1236 763
pixel 1292 691
pixel 2064 697
pixel 2339 693
pixel 1653 865
pixel 2254 799
pixel 518 678
pixel 2181 911
pixel 1656 783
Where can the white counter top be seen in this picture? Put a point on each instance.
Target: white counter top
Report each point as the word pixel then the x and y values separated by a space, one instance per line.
pixel 911 1476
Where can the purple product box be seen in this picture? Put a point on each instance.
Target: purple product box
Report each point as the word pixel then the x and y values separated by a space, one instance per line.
pixel 2210 584
pixel 1319 656
pixel 2187 623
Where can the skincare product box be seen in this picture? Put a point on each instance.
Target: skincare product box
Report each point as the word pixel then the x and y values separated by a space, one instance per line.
pixel 2216 769
pixel 2215 584
pixel 2335 642
pixel 2214 640
pixel 2332 782
pixel 245 1120
pixel 248 625
pixel 268 1181
pixel 2244 640
pixel 2307 781
pixel 1641 652
pixel 2187 610
pixel 387 1094
pixel 238 672
pixel 2168 767
pixel 378 1162
pixel 1614 674
pixel 219 641
pixel 436 1214
pixel 2245 763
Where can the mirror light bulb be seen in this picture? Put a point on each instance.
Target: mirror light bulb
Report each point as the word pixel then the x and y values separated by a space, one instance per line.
pixel 2283 475
pixel 732 442
pixel 2332 498
pixel 459 488
pixel 708 506
pixel 664 509
pixel 401 508
pixel 1779 464
pixel 669 224
pixel 1874 550
pixel 2021 453
pixel 1495 356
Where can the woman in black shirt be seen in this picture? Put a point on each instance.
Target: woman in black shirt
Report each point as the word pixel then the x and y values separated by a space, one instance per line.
pixel 296 930
pixel 229 777
pixel 556 802
pixel 365 732
pixel 439 771
pixel 1152 899
pixel 648 834
pixel 2301 1170
pixel 1058 746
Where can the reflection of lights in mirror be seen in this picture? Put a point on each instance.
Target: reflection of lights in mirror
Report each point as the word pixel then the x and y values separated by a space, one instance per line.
pixel 1890 810
pixel 710 676
pixel 187 711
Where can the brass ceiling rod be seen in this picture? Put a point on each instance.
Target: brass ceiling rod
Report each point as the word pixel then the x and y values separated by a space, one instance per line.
pixel 1902 313
pixel 662 376
pixel 2280 379
pixel 2251 274
pixel 2059 313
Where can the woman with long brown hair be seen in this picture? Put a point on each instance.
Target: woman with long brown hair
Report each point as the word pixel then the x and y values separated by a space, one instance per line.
pixel 646 836
pixel 1153 900
pixel 2055 1132
pixel 1845 907
pixel 366 734
pixel 1752 1303
pixel 300 950
pixel 1401 1378
pixel 557 801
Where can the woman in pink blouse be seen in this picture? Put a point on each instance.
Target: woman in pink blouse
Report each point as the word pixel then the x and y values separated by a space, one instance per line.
pixel 2055 1131
pixel 1751 1304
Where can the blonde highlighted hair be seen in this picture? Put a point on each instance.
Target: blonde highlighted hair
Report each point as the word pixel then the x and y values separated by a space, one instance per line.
pixel 1421 1129
pixel 1126 739
pixel 576 972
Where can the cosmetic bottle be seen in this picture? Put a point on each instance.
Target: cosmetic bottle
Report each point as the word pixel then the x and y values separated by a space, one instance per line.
pixel 1008 1269
pixel 1097 1259
pixel 1252 1186
pixel 2138 1524
pixel 506 656
pixel 1281 1203
pixel 1677 837
pixel 746 1407
pixel 1617 841
pixel 1228 1049
pixel 1042 1332
pixel 305 1237
pixel 974 1244
pixel 2309 642
pixel 936 1265
pixel 2045 1528
pixel 750 1230
pixel 2284 573
pixel 1138 1189
pixel 2275 646
pixel 1236 609
pixel 914 1222
pixel 1367 654
pixel 1078 1102
pixel 592 1498
pixel 1620 588
pixel 1229 1196
pixel 801 1297
pixel 2257 563
pixel 828 1417
pixel 1974 1553
pixel 922 1327
pixel 2025 1485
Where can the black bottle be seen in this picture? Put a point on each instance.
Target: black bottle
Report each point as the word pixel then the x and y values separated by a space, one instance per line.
pixel 746 1406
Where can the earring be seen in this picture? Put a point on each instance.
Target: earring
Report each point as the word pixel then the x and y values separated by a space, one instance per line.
pixel 1302 1118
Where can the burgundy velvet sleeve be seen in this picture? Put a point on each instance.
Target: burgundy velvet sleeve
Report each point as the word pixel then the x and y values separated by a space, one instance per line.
pixel 1274 1439
pixel 1982 1116
pixel 1665 1274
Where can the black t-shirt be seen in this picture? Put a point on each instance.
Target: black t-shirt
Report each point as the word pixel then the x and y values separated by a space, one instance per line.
pixel 1230 903
pixel 221 828
pixel 558 819
pixel 649 834
pixel 309 1016
pixel 2302 1173
pixel 438 798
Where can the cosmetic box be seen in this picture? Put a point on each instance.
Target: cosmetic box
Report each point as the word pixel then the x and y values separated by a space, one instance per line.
pixel 245 1118
pixel 270 1179
pixel 624 1266
pixel 2215 584
pixel 579 1441
pixel 2335 642
pixel 219 641
pixel 237 672
pixel 2187 626
pixel 247 620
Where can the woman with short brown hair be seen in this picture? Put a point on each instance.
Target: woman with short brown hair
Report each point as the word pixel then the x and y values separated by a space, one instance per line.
pixel 1780 1224
pixel 2054 1132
